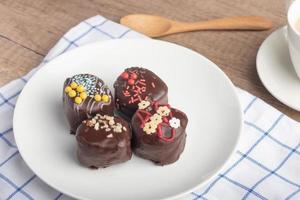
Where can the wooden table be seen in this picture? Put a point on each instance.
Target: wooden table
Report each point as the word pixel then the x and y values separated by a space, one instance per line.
pixel 29 28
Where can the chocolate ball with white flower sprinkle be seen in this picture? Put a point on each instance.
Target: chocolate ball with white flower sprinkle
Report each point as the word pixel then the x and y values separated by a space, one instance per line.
pixel 84 96
pixel 103 141
pixel 136 84
pixel 158 132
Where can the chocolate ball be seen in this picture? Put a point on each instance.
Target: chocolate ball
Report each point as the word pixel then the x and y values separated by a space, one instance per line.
pixel 103 141
pixel 85 95
pixel 136 84
pixel 158 132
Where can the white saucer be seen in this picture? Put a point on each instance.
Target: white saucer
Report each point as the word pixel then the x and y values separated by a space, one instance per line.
pixel 276 71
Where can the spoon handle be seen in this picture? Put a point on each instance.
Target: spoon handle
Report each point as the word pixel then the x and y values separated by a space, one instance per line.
pixel 229 23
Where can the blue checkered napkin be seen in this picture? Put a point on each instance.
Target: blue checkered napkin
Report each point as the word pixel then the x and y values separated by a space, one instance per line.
pixel 265 166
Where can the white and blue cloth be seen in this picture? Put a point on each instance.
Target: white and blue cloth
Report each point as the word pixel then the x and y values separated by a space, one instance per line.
pixel 265 166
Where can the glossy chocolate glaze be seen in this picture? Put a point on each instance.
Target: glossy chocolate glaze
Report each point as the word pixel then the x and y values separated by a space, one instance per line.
pixel 76 113
pixel 102 148
pixel 151 147
pixel 147 86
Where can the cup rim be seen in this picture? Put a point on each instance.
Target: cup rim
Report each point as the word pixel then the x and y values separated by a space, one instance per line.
pixel 292 26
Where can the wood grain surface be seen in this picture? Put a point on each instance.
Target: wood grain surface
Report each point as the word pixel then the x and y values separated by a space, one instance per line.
pixel 29 28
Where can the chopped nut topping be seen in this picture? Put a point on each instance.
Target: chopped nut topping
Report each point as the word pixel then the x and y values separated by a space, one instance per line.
pixel 96 126
pixel 93 121
pixel 111 122
pixel 117 129
pixel 105 122
pixel 89 123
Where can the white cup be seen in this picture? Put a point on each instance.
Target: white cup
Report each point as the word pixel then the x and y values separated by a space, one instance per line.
pixel 294 35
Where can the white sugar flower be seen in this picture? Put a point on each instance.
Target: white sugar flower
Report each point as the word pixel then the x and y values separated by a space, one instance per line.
pixel 143 104
pixel 174 122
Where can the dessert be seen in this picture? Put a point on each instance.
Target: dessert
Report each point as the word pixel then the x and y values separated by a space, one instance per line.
pixel 135 85
pixel 158 132
pixel 103 141
pixel 85 95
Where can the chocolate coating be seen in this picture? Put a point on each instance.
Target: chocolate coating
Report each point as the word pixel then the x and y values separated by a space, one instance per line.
pixel 103 147
pixel 159 146
pixel 76 113
pixel 136 84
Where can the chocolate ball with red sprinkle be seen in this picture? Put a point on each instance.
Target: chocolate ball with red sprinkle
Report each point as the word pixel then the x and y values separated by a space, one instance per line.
pixel 136 84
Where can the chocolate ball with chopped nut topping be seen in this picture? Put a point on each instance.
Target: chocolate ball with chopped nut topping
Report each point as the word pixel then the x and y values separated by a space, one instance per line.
pixel 103 141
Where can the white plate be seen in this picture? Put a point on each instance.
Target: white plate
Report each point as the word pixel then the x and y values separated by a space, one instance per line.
pixel 196 85
pixel 276 70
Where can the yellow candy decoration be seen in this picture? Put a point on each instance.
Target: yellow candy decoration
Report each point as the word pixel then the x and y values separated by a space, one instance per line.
pixel 73 85
pixel 68 89
pixel 105 98
pixel 78 100
pixel 83 95
pixel 72 93
pixel 80 88
pixel 97 97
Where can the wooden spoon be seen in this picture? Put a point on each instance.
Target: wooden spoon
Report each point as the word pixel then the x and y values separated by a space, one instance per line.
pixel 156 26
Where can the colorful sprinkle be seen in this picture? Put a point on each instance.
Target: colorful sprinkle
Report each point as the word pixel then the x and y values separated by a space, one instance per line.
pixel 89 82
pixel 153 85
pixel 135 87
pixel 142 83
pixel 126 93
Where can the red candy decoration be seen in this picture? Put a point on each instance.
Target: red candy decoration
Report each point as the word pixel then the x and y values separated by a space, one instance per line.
pixel 144 116
pixel 165 119
pixel 131 81
pixel 133 76
pixel 125 75
pixel 161 136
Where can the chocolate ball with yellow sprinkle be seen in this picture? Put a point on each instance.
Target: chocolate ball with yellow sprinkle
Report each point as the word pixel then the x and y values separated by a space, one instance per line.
pixel 85 95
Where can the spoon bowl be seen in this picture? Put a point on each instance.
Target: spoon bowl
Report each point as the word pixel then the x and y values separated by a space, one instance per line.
pixel 149 25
